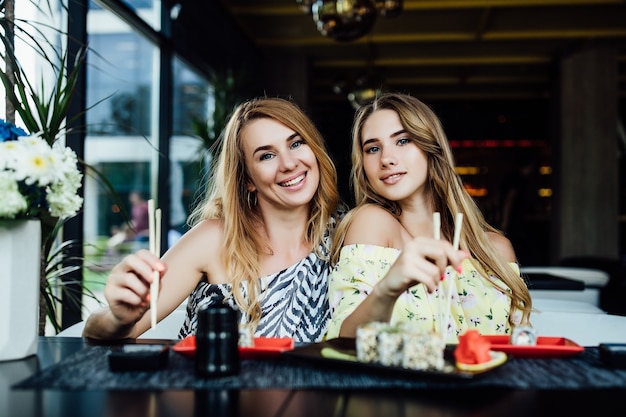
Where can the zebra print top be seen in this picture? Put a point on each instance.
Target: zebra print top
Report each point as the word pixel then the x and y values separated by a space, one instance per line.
pixel 294 301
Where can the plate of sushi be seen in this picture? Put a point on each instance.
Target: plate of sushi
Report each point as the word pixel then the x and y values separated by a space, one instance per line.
pixel 407 353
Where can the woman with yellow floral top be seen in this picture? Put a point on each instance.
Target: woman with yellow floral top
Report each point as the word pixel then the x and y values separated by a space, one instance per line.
pixel 387 264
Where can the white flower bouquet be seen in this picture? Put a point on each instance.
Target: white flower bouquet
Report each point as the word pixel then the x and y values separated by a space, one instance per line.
pixel 36 180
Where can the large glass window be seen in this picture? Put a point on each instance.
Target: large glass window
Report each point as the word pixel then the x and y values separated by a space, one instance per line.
pixel 193 102
pixel 148 10
pixel 120 78
pixel 122 143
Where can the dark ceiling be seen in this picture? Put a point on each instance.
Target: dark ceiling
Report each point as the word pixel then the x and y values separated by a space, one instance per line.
pixel 489 68
pixel 444 49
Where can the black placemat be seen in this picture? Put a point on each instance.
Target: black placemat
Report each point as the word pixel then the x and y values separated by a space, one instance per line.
pixel 88 370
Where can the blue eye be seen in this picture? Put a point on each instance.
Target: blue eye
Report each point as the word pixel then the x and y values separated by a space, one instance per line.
pixel 297 144
pixel 403 141
pixel 266 156
pixel 372 149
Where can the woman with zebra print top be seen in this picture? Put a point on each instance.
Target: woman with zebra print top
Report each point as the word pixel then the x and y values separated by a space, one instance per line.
pixel 259 240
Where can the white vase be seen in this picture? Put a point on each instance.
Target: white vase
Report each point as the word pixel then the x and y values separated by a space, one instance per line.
pixel 20 259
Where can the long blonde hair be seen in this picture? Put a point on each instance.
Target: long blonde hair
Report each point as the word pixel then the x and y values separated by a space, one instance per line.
pixel 227 197
pixel 444 187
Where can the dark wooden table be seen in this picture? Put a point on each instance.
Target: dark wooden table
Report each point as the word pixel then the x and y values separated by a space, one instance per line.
pixel 261 403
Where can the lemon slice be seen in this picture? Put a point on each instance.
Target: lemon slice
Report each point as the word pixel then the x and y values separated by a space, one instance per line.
pixel 497 359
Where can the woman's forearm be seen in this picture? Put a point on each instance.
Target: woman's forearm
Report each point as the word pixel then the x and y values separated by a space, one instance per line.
pixel 102 325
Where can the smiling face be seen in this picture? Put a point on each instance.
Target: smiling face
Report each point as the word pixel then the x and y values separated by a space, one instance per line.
pixel 282 168
pixel 395 166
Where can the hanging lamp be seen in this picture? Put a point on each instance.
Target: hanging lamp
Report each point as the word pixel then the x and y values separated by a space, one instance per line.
pixel 347 20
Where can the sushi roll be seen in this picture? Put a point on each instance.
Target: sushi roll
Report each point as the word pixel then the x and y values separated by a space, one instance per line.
pixel 390 346
pixel 367 341
pixel 423 350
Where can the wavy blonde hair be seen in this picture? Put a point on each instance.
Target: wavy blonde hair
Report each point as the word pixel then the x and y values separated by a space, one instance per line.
pixel 227 197
pixel 444 187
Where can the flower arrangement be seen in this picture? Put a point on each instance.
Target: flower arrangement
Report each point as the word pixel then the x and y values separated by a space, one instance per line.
pixel 37 180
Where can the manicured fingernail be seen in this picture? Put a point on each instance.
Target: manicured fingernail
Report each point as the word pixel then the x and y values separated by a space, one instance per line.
pixel 459 269
pixel 443 276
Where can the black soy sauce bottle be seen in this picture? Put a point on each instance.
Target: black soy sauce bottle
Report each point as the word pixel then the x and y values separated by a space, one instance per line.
pixel 217 352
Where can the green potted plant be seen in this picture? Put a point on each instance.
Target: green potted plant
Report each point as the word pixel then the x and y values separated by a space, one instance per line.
pixel 43 108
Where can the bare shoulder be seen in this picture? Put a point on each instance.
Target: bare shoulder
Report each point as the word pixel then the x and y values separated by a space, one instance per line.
pixel 206 233
pixel 503 246
pixel 371 224
pixel 199 249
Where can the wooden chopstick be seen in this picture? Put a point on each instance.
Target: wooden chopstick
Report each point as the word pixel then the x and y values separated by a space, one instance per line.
pixel 154 227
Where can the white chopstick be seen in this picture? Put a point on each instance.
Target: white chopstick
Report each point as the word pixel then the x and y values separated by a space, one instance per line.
pixel 443 323
pixel 444 306
pixel 154 225
pixel 437 225
pixel 458 222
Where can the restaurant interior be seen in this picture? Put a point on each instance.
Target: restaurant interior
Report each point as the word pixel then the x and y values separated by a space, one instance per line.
pixel 522 87
pixel 492 71
pixel 511 82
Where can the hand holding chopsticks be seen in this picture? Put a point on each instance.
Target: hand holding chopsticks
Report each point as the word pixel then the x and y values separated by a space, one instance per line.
pixel 154 223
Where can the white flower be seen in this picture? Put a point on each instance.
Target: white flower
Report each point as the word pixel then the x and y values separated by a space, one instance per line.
pixel 13 201
pixel 36 178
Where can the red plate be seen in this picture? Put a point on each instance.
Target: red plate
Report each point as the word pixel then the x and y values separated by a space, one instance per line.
pixel 186 347
pixel 545 347
pixel 263 347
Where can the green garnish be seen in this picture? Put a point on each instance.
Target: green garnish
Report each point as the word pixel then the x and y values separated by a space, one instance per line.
pixel 331 353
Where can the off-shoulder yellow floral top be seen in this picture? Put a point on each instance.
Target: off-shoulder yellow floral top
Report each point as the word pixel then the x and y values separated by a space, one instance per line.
pixel 474 302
